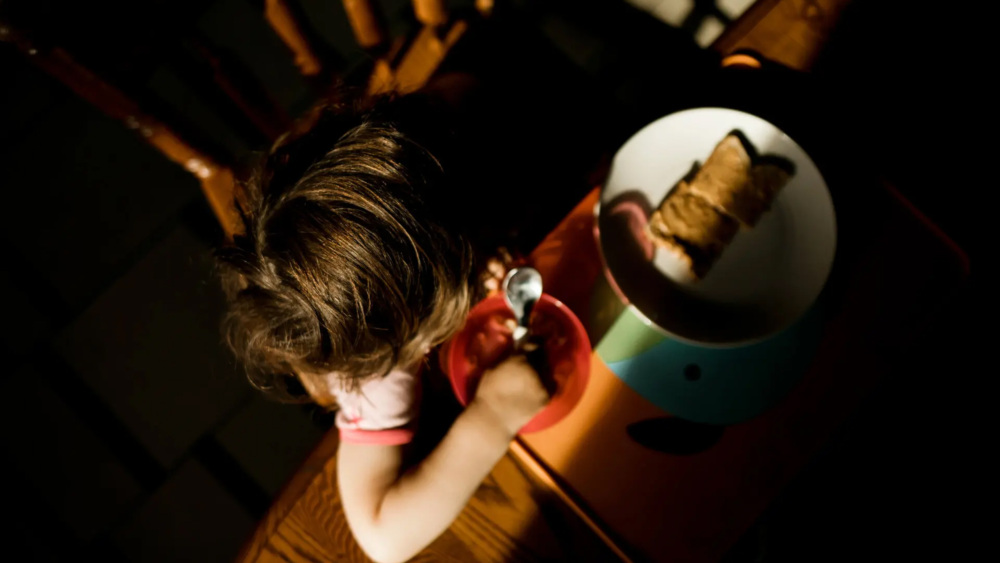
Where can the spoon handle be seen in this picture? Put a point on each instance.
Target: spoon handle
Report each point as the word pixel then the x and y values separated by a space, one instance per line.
pixel 520 337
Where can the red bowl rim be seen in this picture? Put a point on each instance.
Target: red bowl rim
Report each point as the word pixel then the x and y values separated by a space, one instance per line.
pixel 548 416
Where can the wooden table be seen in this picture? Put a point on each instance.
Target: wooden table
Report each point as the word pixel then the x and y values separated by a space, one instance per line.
pixel 647 504
pixel 514 516
pixel 582 490
pixel 788 32
pixel 664 507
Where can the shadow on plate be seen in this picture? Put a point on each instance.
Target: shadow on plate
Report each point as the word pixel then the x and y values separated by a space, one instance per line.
pixel 628 254
pixel 767 158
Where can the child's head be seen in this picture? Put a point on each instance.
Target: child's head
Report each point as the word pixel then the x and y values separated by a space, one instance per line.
pixel 344 265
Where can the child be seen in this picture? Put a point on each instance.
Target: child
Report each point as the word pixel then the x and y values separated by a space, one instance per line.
pixel 351 270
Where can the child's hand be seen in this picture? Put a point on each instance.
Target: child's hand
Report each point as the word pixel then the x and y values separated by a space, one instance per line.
pixel 496 269
pixel 513 392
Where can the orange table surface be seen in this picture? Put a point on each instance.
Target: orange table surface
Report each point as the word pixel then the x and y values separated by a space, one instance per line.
pixel 663 507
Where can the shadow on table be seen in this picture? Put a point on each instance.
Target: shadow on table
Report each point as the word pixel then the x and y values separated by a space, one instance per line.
pixel 677 436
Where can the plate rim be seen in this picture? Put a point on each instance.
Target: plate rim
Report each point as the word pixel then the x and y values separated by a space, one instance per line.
pixel 620 293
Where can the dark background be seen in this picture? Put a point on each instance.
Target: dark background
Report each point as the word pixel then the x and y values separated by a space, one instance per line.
pixel 128 434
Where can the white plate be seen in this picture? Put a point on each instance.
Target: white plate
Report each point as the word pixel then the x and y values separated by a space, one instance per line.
pixel 766 278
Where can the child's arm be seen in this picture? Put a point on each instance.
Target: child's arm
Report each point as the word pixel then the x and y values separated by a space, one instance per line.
pixel 394 516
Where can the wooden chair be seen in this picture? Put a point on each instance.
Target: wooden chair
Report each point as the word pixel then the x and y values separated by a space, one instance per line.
pixel 401 64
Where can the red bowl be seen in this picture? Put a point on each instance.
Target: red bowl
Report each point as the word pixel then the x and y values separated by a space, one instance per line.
pixel 486 339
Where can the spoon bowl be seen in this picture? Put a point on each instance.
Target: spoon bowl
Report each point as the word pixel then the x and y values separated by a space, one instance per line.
pixel 522 288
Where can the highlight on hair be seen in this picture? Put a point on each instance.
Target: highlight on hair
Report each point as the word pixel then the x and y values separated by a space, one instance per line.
pixel 343 265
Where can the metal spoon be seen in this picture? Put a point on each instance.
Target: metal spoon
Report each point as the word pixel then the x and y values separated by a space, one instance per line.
pixel 521 290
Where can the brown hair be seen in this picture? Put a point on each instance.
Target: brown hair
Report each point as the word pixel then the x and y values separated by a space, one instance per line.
pixel 344 266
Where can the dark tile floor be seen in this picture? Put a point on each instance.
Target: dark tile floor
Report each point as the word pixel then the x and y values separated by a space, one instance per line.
pixel 189 517
pixel 126 431
pixel 149 348
pixel 77 474
pixel 105 197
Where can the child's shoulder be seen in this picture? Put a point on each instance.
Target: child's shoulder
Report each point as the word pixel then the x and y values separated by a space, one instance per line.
pixel 381 409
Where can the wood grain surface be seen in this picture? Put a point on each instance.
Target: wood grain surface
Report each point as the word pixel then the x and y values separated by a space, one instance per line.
pixel 512 517
pixel 790 32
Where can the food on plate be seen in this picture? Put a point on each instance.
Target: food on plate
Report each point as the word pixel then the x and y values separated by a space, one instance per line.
pixel 699 219
pixel 692 229
pixel 720 181
pixel 732 183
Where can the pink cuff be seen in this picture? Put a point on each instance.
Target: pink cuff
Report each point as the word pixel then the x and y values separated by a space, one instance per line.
pixel 389 437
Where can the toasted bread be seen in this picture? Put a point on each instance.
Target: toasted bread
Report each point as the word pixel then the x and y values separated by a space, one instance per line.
pixel 691 219
pixel 698 220
pixel 721 179
pixel 687 225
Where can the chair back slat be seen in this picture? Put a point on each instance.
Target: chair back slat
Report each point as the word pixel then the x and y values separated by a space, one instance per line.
pixel 284 21
pixel 366 22
pixel 421 59
pixel 430 12
pixel 485 7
